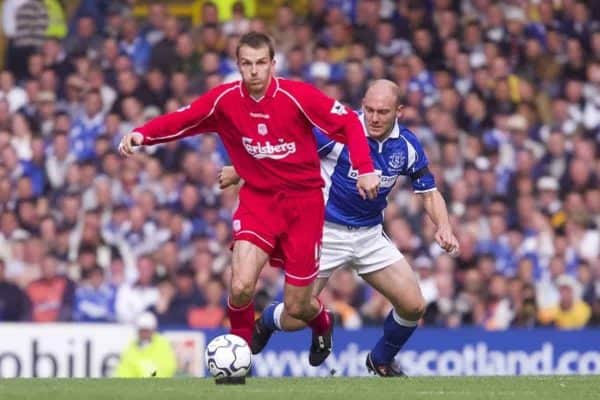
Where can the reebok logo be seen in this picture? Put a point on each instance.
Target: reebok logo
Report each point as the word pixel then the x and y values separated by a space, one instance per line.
pixel 260 115
pixel 268 150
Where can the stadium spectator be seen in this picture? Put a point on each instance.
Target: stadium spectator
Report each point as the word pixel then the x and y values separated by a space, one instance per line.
pixel 85 40
pixel 185 296
pixel 50 296
pixel 212 314
pixel 133 299
pixel 94 299
pixel 571 312
pixel 25 24
pixel 13 302
pixel 149 355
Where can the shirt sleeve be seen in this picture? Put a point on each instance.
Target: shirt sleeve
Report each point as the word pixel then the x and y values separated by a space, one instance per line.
pixel 335 120
pixel 192 119
pixel 418 165
pixel 324 143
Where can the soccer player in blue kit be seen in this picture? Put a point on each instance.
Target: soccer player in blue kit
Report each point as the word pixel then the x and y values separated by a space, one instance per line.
pixel 353 234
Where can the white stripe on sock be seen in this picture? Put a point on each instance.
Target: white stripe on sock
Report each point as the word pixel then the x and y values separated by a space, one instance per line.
pixel 277 315
pixel 403 322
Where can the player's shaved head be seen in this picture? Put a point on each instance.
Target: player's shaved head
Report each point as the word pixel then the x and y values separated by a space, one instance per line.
pixel 381 107
pixel 384 88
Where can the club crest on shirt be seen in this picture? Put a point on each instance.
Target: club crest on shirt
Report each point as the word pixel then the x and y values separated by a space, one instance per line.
pixel 396 160
pixel 338 108
pixel 262 129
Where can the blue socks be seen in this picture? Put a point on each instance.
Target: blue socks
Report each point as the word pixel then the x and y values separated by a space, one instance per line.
pixel 396 332
pixel 271 316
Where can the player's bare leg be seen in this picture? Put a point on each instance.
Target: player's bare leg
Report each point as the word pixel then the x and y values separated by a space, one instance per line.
pixel 398 283
pixel 301 304
pixel 289 323
pixel 275 317
pixel 248 261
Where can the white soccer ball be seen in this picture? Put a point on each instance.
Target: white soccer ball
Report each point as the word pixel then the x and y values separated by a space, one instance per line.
pixel 228 355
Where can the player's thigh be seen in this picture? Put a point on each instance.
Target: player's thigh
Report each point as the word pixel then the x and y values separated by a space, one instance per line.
pixel 398 283
pixel 336 249
pixel 373 251
pixel 301 241
pixel 255 221
pixel 248 260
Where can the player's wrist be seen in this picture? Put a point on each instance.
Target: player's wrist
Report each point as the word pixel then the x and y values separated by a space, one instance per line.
pixel 137 137
pixel 367 174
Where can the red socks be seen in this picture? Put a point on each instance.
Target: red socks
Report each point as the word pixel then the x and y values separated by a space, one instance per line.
pixel 242 320
pixel 321 323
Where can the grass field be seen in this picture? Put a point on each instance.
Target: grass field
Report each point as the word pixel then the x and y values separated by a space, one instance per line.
pixel 521 388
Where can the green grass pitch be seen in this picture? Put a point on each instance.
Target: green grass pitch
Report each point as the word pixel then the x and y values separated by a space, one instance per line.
pixel 522 388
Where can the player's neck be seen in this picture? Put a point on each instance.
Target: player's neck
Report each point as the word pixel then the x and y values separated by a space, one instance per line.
pixel 257 95
pixel 382 138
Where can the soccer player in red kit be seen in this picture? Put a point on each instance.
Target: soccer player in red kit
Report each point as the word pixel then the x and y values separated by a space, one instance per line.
pixel 266 126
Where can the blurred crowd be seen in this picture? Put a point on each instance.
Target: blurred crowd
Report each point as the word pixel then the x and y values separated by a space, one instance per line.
pixel 505 97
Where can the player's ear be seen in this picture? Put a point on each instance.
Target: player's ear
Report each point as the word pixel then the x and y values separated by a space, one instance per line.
pixel 400 111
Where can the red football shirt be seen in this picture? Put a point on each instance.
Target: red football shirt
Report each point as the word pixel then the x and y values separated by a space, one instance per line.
pixel 269 140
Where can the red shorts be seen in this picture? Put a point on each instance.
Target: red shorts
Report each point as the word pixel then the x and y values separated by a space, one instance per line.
pixel 287 226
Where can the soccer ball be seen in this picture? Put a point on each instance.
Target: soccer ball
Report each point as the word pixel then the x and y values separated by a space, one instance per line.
pixel 228 355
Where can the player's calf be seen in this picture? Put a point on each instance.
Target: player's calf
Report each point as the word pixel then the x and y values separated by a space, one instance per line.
pixel 322 338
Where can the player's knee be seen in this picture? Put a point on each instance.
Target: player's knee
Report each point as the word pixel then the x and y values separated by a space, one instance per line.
pixel 298 309
pixel 420 307
pixel 412 310
pixel 241 291
pixel 417 308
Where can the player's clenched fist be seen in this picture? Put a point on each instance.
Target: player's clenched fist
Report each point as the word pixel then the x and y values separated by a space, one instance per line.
pixel 446 239
pixel 129 141
pixel 227 177
pixel 368 186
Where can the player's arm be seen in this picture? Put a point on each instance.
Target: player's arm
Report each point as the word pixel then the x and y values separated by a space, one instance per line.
pixel 195 118
pixel 435 206
pixel 341 124
pixel 423 183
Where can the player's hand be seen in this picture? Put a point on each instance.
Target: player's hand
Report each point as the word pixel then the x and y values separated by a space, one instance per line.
pixel 228 177
pixel 129 142
pixel 446 239
pixel 368 186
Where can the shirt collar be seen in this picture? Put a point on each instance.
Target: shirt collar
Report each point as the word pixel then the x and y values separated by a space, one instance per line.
pixel 271 90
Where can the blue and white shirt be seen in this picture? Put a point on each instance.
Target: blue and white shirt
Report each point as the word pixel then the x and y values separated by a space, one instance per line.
pixel 400 153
